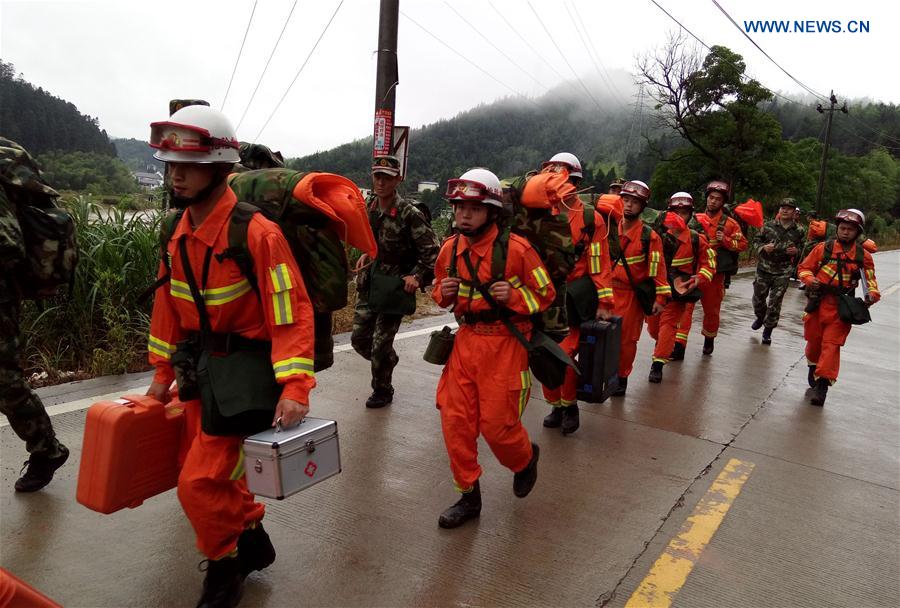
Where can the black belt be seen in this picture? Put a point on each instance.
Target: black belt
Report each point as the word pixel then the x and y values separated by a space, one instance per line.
pixel 489 316
pixel 229 343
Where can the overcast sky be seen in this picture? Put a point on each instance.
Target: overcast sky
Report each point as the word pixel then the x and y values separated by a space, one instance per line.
pixel 122 61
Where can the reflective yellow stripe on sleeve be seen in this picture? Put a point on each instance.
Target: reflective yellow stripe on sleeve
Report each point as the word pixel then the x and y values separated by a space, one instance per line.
pixel 281 307
pixel 530 301
pixel 281 278
pixel 654 264
pixel 541 277
pixel 604 293
pixel 293 366
pixel 160 348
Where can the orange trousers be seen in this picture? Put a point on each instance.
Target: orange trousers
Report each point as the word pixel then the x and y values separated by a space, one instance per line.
pixel 213 490
pixel 567 394
pixel 663 327
pixel 483 390
pixel 825 334
pixel 628 307
pixel 712 294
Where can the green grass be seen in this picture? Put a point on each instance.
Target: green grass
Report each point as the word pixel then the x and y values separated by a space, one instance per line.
pixel 100 329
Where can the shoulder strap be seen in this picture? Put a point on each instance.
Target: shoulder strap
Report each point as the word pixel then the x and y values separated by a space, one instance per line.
pixel 452 272
pixel 238 227
pixel 646 232
pixel 166 230
pixel 499 254
pixel 501 311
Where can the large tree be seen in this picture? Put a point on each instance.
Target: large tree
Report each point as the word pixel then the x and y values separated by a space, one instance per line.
pixel 715 108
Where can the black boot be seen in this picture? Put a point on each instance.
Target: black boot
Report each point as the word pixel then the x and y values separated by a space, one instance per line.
pixel 553 420
pixel 255 550
pixel 678 352
pixel 466 508
pixel 656 372
pixel 570 421
pixel 40 470
pixel 708 345
pixel 767 335
pixel 820 391
pixel 223 585
pixel 524 480
pixel 811 376
pixel 621 386
pixel 380 397
pixel 757 324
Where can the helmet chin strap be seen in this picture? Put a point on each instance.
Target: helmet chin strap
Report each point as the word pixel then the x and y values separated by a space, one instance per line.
pixel 474 232
pixel 183 202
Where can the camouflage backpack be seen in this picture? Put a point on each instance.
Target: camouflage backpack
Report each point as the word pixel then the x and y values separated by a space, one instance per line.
pixel 46 231
pixel 318 249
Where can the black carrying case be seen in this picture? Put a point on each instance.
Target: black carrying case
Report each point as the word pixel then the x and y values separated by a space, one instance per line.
pixel 598 358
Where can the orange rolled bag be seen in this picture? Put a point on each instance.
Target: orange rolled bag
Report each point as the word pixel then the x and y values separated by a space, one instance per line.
pixel 133 449
pixel 16 593
pixel 870 246
pixel 750 211
pixel 547 190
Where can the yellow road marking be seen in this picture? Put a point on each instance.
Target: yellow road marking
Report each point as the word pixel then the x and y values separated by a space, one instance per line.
pixel 669 573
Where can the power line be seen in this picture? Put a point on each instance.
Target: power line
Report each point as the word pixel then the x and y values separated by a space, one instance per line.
pixel 598 63
pixel 747 36
pixel 240 52
pixel 869 141
pixel 466 59
pixel 268 61
pixel 561 54
pixel 498 49
pixel 709 48
pixel 528 44
pixel 297 75
pixel 873 129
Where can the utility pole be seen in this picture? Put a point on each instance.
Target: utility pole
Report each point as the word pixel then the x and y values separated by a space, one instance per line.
pixel 821 187
pixel 386 77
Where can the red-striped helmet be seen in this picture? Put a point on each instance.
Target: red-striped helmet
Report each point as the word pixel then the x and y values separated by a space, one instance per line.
pixel 718 185
pixel 681 200
pixel 854 216
pixel 637 189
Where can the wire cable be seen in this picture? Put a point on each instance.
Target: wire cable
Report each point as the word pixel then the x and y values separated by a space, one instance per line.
pixel 883 134
pixel 869 141
pixel 601 69
pixel 709 48
pixel 525 41
pixel 297 75
pixel 467 60
pixel 240 52
pixel 769 57
pixel 268 61
pixel 498 49
pixel 561 54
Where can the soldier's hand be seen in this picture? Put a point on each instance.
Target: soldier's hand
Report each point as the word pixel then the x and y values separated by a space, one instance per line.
pixel 604 314
pixel 501 290
pixel 791 250
pixel 769 248
pixel 449 287
pixel 291 412
pixel 720 235
pixel 159 391
pixel 410 284
pixel 362 262
pixel 871 298
pixel 657 308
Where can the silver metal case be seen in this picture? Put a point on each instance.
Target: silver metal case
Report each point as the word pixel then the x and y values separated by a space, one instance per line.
pixel 281 462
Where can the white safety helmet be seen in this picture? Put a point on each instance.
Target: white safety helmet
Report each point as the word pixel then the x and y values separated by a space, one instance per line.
pixel 681 200
pixel 195 134
pixel 637 189
pixel 479 185
pixel 569 160
pixel 854 216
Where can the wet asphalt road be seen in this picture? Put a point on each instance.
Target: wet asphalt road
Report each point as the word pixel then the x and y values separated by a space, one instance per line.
pixel 816 522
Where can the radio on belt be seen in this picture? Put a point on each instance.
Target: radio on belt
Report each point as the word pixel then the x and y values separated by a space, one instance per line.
pixel 280 462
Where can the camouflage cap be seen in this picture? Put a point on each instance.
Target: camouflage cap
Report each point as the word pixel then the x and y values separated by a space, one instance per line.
pixel 18 168
pixel 788 202
pixel 617 182
pixel 386 164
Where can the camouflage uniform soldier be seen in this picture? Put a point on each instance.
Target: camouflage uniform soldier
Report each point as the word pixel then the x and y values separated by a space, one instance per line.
pixel 778 244
pixel 20 179
pixel 408 249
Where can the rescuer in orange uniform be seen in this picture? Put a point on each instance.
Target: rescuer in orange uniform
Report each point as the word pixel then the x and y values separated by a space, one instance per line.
pixel 269 312
pixel 486 383
pixel 642 255
pixel 691 263
pixel 726 239
pixel 832 268
pixel 592 249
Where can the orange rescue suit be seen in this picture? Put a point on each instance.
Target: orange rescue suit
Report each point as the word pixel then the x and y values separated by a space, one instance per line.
pixel 211 486
pixel 642 265
pixel 823 328
pixel 714 291
pixel 685 260
pixel 486 383
pixel 593 262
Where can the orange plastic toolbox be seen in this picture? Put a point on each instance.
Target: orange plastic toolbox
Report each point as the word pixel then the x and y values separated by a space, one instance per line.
pixel 132 451
pixel 14 593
